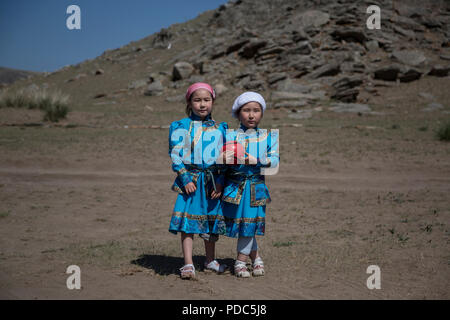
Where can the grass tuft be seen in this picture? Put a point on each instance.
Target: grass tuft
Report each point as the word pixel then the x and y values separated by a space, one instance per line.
pixel 55 105
pixel 443 133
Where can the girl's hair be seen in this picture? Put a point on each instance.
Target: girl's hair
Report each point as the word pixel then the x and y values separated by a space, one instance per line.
pixel 188 109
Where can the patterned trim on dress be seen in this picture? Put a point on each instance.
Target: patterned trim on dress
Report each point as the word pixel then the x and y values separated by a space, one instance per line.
pixel 194 180
pixel 237 199
pixel 204 217
pixel 245 220
pixel 201 217
pixel 198 134
pixel 253 201
pixel 177 189
pixel 258 138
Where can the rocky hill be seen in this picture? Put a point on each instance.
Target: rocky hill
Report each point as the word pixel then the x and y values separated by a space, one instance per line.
pixel 8 75
pixel 298 53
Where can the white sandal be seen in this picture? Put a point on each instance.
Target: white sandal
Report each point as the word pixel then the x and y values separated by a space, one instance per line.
pixel 214 266
pixel 187 271
pixel 258 267
pixel 240 269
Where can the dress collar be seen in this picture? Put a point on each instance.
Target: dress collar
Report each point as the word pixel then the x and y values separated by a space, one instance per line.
pixel 244 128
pixel 195 117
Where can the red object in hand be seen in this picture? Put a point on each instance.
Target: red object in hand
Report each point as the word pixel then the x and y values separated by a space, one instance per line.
pixel 237 149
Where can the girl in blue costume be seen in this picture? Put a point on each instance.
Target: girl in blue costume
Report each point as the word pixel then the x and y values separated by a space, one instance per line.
pixel 245 194
pixel 193 147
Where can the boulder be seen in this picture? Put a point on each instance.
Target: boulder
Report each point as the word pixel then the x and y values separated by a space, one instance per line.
pixel 348 95
pixel 303 47
pixel 205 67
pixel 349 35
pixel 430 22
pixel 330 69
pixel 347 83
pixel 182 70
pixel 272 50
pixel 409 74
pixel 410 34
pixel 372 45
pixel 387 73
pixel 291 104
pixel 137 84
pixel 162 38
pixel 344 89
pixel 350 107
pixel 406 10
pixel 439 71
pixel 288 85
pixel 255 85
pixel 346 20
pixel 412 58
pixel 251 48
pixel 217 52
pixel 154 89
pixel 299 35
pixel 178 98
pixel 300 114
pixel 407 23
pixel 220 89
pixel 282 95
pixel 311 18
pixel 275 77
pixel 236 46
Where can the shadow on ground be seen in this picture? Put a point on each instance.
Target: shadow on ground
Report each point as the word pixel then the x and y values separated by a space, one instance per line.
pixel 165 265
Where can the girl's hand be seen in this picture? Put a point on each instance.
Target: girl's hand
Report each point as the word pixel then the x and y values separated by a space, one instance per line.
pixel 216 194
pixel 226 157
pixel 190 188
pixel 249 159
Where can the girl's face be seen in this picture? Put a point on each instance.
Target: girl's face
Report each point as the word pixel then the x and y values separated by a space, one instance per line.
pixel 250 114
pixel 201 103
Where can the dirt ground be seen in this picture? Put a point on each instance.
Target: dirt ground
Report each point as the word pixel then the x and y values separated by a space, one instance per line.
pixel 352 191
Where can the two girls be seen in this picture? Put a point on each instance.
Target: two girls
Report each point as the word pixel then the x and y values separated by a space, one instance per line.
pixel 198 208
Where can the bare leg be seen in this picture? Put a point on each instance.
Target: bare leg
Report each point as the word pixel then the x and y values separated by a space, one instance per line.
pixel 242 257
pixel 186 245
pixel 247 247
pixel 253 255
pixel 210 251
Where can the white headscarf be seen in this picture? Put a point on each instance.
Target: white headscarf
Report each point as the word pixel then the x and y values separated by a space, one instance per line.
pixel 245 98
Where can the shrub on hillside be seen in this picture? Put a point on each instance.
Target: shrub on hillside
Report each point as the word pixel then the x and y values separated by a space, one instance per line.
pixel 54 104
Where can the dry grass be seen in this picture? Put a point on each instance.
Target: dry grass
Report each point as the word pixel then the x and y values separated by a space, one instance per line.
pixel 55 104
pixel 443 133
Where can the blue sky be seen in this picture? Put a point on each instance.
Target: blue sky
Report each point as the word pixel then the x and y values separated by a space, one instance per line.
pixel 34 35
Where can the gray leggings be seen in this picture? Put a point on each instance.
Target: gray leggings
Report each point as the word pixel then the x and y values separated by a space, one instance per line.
pixel 246 244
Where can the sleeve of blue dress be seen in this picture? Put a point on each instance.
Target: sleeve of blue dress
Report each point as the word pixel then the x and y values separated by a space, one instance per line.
pixel 178 139
pixel 273 155
pixel 223 127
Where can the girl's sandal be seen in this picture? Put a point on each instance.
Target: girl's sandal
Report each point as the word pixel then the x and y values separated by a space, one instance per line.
pixel 187 271
pixel 258 267
pixel 214 266
pixel 241 271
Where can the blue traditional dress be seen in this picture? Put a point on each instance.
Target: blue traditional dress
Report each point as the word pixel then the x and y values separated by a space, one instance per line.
pixel 193 147
pixel 245 193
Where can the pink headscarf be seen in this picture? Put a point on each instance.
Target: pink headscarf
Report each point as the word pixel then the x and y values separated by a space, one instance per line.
pixel 199 85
